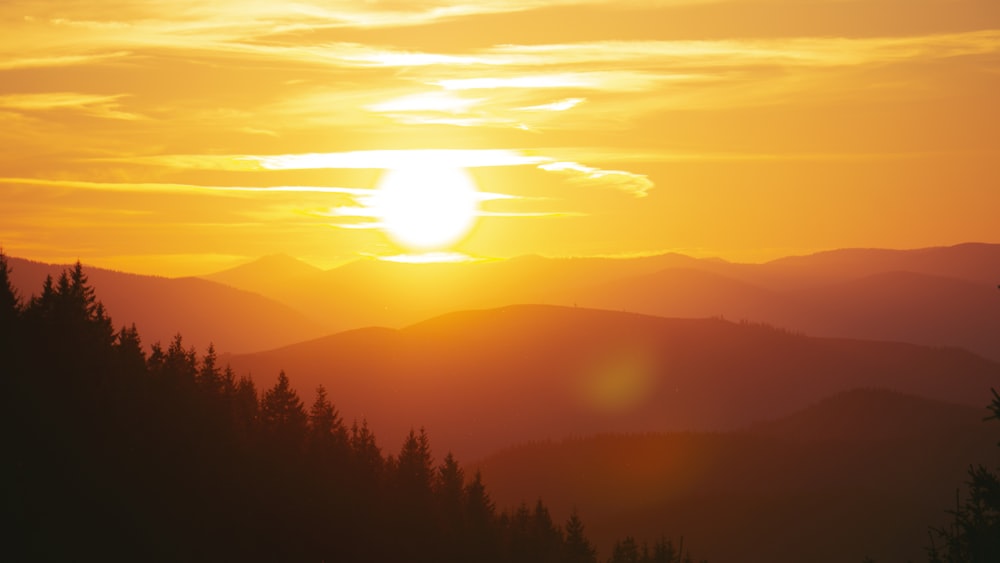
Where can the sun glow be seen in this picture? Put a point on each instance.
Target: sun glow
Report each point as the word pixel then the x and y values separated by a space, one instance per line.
pixel 426 207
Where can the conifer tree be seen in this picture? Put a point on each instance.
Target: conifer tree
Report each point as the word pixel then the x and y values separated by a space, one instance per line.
pixel 283 415
pixel 229 382
pixel 157 359
pixel 324 420
pixel 43 305
pixel 974 534
pixel 578 548
pixel 365 452
pixel 479 506
pixel 179 366
pixel 10 311
pixel 626 551
pixel 69 330
pixel 245 408
pixel 545 539
pixel 481 521
pixel 414 466
pixel 412 477
pixel 448 484
pixel 209 376
pixel 665 552
pixel 131 358
pixel 327 436
pixel 81 293
pixel 10 300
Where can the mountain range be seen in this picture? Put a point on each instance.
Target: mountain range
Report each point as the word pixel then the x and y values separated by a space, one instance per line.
pixel 943 296
pixel 863 473
pixel 483 380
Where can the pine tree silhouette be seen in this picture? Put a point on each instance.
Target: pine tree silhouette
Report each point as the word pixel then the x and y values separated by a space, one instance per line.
pixel 210 376
pixel 974 533
pixel 282 416
pixel 578 548
pixel 10 300
pixel 120 455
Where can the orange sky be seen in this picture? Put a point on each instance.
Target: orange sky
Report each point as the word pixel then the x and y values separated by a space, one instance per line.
pixel 166 137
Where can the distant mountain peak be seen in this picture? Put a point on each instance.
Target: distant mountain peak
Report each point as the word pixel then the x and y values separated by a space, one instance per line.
pixel 279 260
pixel 264 272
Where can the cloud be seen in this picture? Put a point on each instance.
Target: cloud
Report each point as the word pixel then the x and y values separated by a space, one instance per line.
pixel 808 51
pixel 352 160
pixel 428 101
pixel 95 105
pixel 624 80
pixel 561 105
pixel 580 174
pixel 13 63
pixel 151 187
pixel 305 15
pixel 385 159
pixel 513 86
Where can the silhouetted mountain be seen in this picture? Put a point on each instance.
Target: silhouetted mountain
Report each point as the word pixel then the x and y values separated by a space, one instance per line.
pixel 201 310
pixel 901 306
pixel 840 480
pixel 266 275
pixel 873 414
pixel 481 380
pixel 936 296
pixel 975 262
pixel 905 306
pixel 685 292
pixel 374 292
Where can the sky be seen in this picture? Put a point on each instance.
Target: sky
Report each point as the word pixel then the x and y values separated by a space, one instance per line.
pixel 181 138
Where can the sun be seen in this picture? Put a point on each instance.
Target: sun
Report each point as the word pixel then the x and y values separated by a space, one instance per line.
pixel 426 207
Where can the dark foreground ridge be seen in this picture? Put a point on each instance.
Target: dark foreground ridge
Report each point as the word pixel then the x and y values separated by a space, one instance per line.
pixel 120 455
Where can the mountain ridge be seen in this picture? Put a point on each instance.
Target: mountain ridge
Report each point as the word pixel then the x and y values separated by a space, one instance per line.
pixel 201 311
pixel 566 370
pixel 818 294
pixel 753 486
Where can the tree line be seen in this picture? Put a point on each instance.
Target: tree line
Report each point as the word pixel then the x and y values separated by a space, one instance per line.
pixel 117 453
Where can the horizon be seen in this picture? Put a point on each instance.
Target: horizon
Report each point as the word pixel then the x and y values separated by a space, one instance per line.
pixel 455 258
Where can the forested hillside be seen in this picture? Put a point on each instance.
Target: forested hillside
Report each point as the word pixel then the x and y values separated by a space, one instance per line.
pixel 117 454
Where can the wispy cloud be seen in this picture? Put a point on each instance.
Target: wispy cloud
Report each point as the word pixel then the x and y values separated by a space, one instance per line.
pixel 630 182
pixel 611 155
pixel 152 187
pixel 513 86
pixel 580 174
pixel 362 159
pixel 561 105
pixel 305 15
pixel 384 159
pixel 95 105
pixel 442 102
pixel 14 63
pixel 737 52
pixel 624 80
